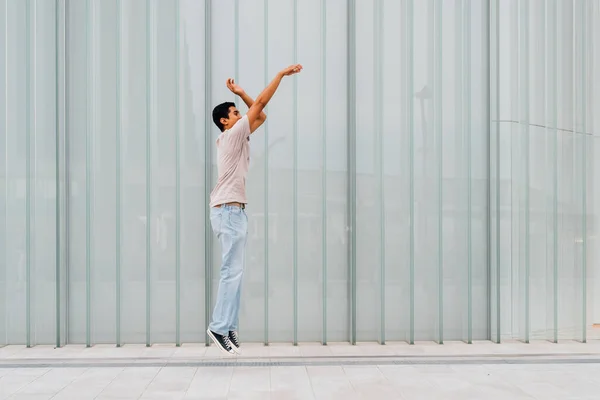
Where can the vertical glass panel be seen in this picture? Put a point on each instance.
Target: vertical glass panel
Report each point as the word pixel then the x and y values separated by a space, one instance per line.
pixel 193 113
pixel 61 184
pixel 336 171
pixel 504 245
pixel 567 288
pixel 14 160
pixel 507 57
pixel 43 167
pixel 495 220
pixel 163 113
pixel 104 171
pixel 455 251
pixel 437 131
pixel 252 74
pixel 281 183
pixel 540 167
pixel 593 302
pixel 309 175
pixel 133 173
pixel 593 187
pixel 425 177
pixel 551 202
pixel 77 114
pixel 396 174
pixel 579 158
pixel 479 169
pixel 4 284
pixel 368 197
pixel 523 174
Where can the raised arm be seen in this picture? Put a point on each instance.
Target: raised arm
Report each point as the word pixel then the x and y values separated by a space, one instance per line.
pixel 256 109
pixel 237 89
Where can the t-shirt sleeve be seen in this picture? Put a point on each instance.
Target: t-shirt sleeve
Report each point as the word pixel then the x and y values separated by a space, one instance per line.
pixel 241 130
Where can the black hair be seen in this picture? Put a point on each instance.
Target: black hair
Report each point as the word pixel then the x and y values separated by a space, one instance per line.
pixel 221 111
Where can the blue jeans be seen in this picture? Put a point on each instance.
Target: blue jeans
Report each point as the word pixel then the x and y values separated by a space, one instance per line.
pixel 230 224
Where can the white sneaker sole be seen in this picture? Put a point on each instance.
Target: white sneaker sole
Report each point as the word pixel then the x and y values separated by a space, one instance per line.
pixel 215 341
pixel 236 349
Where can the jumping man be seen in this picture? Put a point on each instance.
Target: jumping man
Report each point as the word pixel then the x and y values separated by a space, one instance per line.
pixel 228 203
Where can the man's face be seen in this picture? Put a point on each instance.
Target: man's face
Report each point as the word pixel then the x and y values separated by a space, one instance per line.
pixel 233 117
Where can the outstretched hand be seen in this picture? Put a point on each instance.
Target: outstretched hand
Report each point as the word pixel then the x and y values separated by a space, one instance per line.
pixel 291 70
pixel 234 87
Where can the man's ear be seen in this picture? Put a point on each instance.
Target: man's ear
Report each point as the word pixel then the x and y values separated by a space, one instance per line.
pixel 223 121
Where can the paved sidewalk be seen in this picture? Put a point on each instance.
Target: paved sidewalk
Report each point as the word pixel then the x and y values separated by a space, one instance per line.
pixel 482 370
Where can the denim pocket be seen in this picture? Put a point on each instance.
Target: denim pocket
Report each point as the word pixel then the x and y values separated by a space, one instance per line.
pixel 238 220
pixel 216 219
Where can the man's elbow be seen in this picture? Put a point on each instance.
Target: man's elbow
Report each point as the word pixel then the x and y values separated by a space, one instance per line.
pixel 262 117
pixel 260 103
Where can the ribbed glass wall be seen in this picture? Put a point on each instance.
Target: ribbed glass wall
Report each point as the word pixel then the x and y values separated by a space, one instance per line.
pixel 545 192
pixel 430 175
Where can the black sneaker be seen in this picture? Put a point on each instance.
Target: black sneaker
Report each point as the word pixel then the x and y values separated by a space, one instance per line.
pixel 235 341
pixel 221 341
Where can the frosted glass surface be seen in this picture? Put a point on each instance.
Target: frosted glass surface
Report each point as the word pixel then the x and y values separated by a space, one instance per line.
pixel 475 167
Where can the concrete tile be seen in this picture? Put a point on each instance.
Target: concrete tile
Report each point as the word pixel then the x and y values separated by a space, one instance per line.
pixel 89 385
pixel 53 381
pixel 315 350
pixel 508 378
pixel 382 390
pixel 161 395
pixel 34 352
pixel 189 352
pixel 343 349
pixel 18 379
pixel 6 351
pixel 330 382
pixel 210 383
pixel 370 382
pixel 292 394
pixel 336 394
pixel 170 383
pixel 281 351
pixel 290 383
pixel 378 350
pixel 29 396
pixel 254 350
pixel 131 382
pixel 101 351
pixel 543 390
pixel 6 371
pixel 364 374
pixel 251 379
pixel 416 392
pixel 470 384
pixel 248 394
pixel 406 377
pixel 159 351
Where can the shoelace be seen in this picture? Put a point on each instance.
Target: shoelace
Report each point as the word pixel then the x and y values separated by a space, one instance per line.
pixel 227 342
pixel 234 338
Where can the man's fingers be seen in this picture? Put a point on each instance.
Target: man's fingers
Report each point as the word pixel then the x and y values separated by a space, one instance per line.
pixel 294 69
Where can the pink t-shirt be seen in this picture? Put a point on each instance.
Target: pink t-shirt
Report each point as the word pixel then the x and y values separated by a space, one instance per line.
pixel 233 160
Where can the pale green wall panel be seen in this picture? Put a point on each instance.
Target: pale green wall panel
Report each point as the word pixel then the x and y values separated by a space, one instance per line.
pixel 429 176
